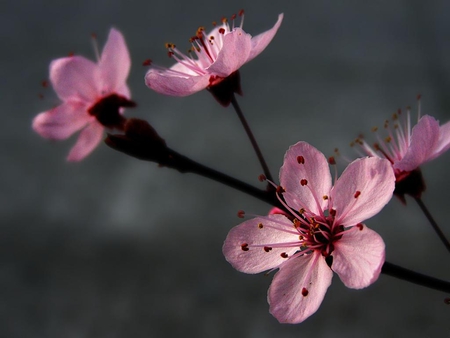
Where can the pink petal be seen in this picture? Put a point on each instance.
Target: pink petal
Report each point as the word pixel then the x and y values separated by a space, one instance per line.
pixel 235 51
pixel 75 78
pixel 261 41
pixel 175 83
pixel 257 259
pixel 114 63
pixel 363 189
pixel 443 143
pixel 299 287
pixel 88 139
pixel 314 170
pixel 424 138
pixel 62 121
pixel 358 257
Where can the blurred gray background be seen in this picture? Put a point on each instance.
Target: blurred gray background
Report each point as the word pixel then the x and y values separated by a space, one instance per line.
pixel 115 247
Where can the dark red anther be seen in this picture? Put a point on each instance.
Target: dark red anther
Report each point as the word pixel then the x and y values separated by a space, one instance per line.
pixel 44 83
pixel 262 178
pixel 303 182
pixel 71 54
pixel 267 248
pixel 241 213
pixel 333 212
pixel 241 12
pixel 222 30
pixel 244 247
pixel 93 35
pixel 147 62
pixel 41 96
pixel 300 160
pixel 260 225
pixel 357 194
pixel 305 292
pixel 447 300
pixel 331 160
pixel 360 226
pixel 214 23
pixel 419 96
pixel 233 17
pixel 284 255
pixel 170 54
pixel 280 189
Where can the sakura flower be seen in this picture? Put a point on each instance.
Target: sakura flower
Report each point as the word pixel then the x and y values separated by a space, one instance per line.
pixel 407 150
pixel 322 233
pixel 211 63
pixel 92 95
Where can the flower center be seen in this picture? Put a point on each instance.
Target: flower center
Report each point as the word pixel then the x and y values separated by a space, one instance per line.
pixel 107 110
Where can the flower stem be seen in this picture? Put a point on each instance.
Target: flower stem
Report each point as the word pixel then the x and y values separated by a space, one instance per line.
pixel 251 137
pixel 433 223
pixel 415 277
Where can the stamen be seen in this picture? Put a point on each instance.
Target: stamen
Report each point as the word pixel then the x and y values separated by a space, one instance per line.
pixel 95 44
pixel 147 62
pixel 260 225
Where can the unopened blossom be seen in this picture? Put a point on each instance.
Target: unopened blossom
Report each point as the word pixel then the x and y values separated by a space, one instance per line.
pixel 92 96
pixel 212 62
pixel 321 232
pixel 408 149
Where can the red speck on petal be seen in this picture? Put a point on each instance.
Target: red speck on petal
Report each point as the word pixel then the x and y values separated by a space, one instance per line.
pixel 267 248
pixel 221 30
pixel 357 194
pixel 305 292
pixel 300 160
pixel 244 247
pixel 284 255
pixel 303 182
pixel 147 62
pixel 241 213
pixel 360 226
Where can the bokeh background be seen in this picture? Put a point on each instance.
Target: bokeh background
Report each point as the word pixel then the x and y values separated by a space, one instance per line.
pixel 115 247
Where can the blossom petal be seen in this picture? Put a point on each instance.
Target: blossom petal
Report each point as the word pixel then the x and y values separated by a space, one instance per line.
pixel 75 78
pixel 424 138
pixel 62 121
pixel 174 83
pixel 275 229
pixel 363 189
pixel 88 139
pixel 114 63
pixel 235 51
pixel 299 287
pixel 358 257
pixel 261 41
pixel 443 143
pixel 314 170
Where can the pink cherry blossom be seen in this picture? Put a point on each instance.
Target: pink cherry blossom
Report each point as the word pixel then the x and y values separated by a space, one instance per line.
pixel 212 58
pixel 323 232
pixel 92 95
pixel 407 150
